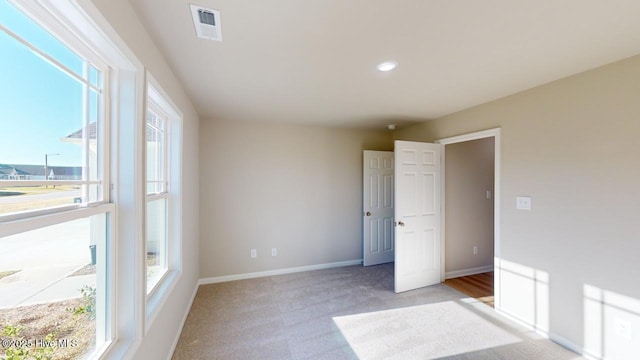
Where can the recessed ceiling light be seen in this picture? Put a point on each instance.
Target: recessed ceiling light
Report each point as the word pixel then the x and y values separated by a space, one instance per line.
pixel 387 65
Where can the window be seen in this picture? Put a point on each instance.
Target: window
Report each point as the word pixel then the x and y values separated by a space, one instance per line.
pixel 55 216
pixel 163 180
pixel 53 134
pixel 157 193
pixel 73 150
pixel 54 293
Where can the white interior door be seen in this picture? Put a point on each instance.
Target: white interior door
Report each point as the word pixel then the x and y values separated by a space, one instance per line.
pixel 417 215
pixel 377 208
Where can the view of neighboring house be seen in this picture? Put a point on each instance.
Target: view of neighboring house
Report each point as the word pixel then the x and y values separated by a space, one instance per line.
pixel 36 172
pixel 9 172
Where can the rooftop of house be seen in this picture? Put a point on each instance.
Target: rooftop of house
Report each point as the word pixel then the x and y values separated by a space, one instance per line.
pixel 38 170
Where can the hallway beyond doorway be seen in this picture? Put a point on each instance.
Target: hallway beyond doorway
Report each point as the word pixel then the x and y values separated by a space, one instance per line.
pixel 479 286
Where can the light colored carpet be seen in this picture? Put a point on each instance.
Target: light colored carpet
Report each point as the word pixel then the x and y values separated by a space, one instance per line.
pixel 350 313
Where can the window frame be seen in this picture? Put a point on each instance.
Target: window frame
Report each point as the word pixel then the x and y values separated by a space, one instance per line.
pixel 160 101
pixel 163 194
pixel 166 131
pixel 48 16
pixel 90 59
pixel 131 312
pixel 82 24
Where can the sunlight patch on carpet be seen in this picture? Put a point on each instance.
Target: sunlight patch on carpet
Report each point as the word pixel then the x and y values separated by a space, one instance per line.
pixel 428 331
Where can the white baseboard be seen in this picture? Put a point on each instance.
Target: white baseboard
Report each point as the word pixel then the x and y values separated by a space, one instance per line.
pixel 467 272
pixel 560 340
pixel 184 320
pixel 542 332
pixel 219 279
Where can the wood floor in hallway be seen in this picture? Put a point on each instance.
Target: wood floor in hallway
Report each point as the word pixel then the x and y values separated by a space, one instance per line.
pixel 479 286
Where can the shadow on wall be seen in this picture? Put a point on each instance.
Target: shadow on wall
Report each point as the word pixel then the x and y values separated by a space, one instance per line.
pixel 611 324
pixel 528 297
pixel 611 320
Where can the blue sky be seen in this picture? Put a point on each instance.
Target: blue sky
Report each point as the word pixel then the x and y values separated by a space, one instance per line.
pixel 39 104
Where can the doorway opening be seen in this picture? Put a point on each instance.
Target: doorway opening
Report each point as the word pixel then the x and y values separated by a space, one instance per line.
pixel 470 226
pixel 484 249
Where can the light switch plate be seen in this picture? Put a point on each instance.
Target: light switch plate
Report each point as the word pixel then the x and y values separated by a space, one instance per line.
pixel 523 202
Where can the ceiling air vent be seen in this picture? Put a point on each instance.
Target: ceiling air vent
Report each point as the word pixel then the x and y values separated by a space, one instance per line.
pixel 207 23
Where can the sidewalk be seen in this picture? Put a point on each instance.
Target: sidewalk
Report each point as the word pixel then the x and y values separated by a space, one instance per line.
pixel 43 285
pixel 44 259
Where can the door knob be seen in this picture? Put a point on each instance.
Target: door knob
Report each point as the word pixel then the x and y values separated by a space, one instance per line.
pixel 368 213
pixel 400 223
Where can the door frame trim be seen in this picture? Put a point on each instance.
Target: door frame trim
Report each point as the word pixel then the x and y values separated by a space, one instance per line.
pixel 495 134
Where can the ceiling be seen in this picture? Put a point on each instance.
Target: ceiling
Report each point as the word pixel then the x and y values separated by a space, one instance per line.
pixel 314 61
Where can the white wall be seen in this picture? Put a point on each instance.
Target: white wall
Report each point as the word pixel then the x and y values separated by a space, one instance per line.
pixel 573 146
pixel 159 337
pixel 293 187
pixel 469 174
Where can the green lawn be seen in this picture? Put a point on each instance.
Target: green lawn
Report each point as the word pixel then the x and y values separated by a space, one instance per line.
pixel 32 190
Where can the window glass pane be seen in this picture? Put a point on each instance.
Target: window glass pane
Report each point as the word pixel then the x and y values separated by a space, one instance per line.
pixel 95 112
pixel 156 153
pixel 17 199
pixel 53 287
pixel 156 241
pixel 95 77
pixel 95 192
pixel 24 27
pixel 43 111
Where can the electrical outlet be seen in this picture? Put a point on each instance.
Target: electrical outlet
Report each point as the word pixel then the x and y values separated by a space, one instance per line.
pixel 254 253
pixel 623 328
pixel 475 250
pixel 274 252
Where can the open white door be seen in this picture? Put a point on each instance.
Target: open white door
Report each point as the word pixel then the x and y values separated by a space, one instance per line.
pixel 417 215
pixel 377 207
